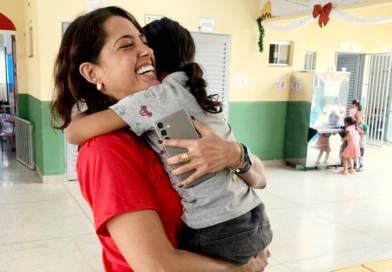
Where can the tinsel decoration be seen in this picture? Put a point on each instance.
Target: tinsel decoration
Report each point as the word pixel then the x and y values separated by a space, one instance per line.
pixel 261 29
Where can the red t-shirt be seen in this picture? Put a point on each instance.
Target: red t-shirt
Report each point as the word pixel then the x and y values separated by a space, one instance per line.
pixel 119 173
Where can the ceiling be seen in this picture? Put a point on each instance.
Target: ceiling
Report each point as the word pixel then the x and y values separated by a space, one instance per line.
pixel 283 8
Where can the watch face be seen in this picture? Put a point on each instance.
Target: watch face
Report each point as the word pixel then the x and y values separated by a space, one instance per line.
pixel 248 154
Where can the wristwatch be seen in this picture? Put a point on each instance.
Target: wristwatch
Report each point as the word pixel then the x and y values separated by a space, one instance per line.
pixel 248 161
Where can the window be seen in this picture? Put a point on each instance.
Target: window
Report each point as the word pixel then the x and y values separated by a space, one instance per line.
pixel 31 48
pixel 280 53
pixel 310 60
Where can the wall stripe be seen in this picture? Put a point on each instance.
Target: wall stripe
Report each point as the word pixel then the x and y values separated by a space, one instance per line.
pixel 260 126
pixel 48 144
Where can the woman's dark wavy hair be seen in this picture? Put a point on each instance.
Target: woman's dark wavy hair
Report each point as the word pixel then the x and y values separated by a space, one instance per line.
pixel 357 103
pixel 82 42
pixel 174 51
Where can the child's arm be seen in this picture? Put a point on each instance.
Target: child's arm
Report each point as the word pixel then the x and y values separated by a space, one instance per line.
pixel 364 131
pixel 348 135
pixel 138 111
pixel 84 127
pixel 255 177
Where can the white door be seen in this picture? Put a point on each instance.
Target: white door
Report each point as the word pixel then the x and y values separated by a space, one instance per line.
pixel 213 53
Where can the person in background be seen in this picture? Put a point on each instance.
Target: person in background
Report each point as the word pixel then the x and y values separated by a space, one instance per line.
pixel 362 128
pixel 352 148
pixel 355 107
pixel 323 145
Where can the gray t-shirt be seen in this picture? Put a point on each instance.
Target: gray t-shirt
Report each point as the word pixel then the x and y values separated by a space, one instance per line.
pixel 213 201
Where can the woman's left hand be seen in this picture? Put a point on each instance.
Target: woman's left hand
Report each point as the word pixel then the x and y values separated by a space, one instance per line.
pixel 208 154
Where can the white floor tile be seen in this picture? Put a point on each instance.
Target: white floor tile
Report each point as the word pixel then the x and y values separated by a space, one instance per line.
pixel 76 254
pixel 22 193
pixel 42 220
pixel 369 254
pixel 277 268
pixel 321 264
pixel 321 221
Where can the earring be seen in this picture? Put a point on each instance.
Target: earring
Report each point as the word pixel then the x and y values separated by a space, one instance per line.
pixel 99 86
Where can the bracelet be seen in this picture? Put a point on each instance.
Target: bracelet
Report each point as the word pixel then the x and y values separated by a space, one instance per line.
pixel 235 170
pixel 245 169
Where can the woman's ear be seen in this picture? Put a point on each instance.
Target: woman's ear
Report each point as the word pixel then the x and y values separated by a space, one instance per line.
pixel 90 72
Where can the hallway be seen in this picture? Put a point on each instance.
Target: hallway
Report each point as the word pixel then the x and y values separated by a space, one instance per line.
pixel 322 221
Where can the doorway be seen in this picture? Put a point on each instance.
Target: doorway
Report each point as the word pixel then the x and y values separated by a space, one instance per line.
pixel 8 83
pixel 8 73
pixel 370 81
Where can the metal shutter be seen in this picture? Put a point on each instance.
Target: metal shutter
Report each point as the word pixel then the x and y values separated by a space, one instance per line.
pixel 353 62
pixel 213 53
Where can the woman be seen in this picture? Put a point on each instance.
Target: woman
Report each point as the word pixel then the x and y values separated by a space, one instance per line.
pixel 136 212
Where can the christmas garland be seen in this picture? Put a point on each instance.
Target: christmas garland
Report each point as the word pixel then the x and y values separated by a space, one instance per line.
pixel 261 29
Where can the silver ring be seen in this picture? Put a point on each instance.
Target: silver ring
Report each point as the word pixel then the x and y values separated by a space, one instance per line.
pixel 185 157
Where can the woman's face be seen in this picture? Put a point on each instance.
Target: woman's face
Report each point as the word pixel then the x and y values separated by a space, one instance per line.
pixel 126 63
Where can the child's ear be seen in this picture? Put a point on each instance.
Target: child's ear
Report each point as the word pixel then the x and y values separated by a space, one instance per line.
pixel 90 72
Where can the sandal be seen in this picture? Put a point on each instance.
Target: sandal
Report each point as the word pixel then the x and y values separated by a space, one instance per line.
pixel 344 172
pixel 351 171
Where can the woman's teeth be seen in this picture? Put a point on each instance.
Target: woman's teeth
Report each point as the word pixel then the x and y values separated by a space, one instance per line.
pixel 145 70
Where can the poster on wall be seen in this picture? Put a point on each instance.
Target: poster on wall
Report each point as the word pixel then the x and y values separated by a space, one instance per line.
pixel 207 25
pixel 92 5
pixel 357 46
pixel 296 86
pixel 385 49
pixel 148 18
pixel 280 85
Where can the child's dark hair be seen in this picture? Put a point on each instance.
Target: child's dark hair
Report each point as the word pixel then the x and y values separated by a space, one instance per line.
pixel 349 120
pixel 357 103
pixel 174 51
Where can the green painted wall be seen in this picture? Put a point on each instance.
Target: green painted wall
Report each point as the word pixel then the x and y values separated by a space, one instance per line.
pixel 48 144
pixel 260 126
pixel 297 129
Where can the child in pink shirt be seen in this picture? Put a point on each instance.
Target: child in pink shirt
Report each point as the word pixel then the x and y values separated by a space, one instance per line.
pixel 352 149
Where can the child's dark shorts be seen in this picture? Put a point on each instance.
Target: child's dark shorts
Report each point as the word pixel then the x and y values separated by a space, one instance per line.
pixel 235 241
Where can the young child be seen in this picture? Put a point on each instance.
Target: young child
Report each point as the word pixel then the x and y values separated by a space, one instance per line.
pixel 355 107
pixel 362 128
pixel 352 148
pixel 224 218
pixel 322 144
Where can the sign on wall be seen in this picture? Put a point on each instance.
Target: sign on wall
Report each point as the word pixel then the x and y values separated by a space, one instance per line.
pixel 148 18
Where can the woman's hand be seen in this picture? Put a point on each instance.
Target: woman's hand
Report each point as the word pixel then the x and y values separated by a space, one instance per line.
pixel 208 154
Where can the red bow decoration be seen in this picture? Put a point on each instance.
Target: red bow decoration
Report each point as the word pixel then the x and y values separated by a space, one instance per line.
pixel 323 12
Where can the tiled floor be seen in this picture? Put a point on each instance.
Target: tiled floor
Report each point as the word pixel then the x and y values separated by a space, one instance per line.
pixel 322 221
